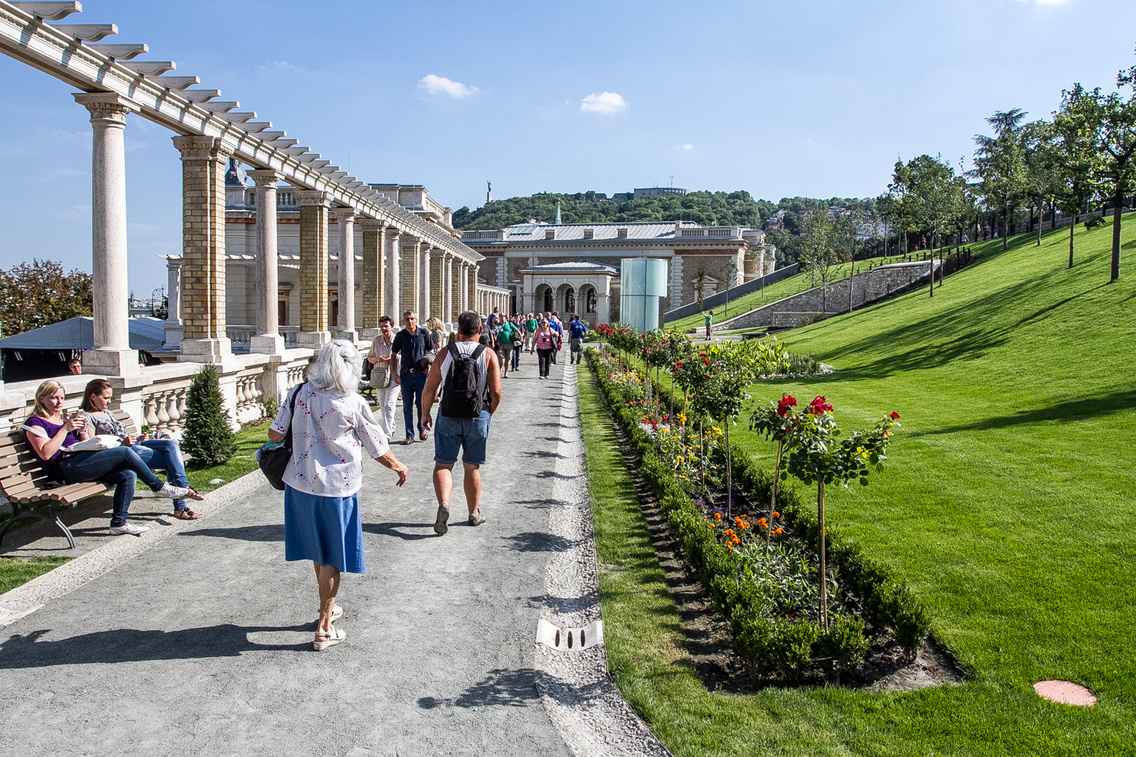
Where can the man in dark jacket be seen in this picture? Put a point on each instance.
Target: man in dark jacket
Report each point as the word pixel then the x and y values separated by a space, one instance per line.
pixel 412 344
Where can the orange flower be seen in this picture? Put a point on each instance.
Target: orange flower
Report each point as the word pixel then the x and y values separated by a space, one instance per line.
pixel 717 516
pixel 776 514
pixel 777 532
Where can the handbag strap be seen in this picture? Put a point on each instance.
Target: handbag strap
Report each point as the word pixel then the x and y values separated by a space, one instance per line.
pixel 292 416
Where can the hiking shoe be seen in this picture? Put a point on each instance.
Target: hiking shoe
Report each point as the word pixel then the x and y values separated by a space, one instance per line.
pixel 440 527
pixel 128 528
pixel 327 640
pixel 175 492
pixel 476 520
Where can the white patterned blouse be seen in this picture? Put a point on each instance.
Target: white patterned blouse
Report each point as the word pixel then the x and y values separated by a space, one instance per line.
pixel 329 435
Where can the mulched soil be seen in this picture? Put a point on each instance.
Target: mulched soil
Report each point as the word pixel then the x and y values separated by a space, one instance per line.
pixel 710 644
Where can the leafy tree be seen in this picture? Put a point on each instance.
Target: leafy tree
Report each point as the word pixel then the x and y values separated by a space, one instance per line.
pixel 1074 152
pixel 819 251
pixel 39 294
pixel 208 436
pixel 932 195
pixel 1000 163
pixel 1116 142
pixel 1042 179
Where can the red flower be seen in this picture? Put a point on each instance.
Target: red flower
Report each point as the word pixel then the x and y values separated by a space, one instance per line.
pixel 895 415
pixel 786 402
pixel 818 406
pixel 678 364
pixel 706 361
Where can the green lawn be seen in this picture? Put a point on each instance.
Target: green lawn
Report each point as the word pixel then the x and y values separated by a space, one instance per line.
pixel 773 292
pixel 19 570
pixel 1006 503
pixel 248 439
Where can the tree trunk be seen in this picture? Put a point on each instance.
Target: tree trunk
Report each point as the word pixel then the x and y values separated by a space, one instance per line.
pixel 1072 226
pixel 932 261
pixel 823 566
pixel 1118 200
pixel 773 498
pixel 1005 230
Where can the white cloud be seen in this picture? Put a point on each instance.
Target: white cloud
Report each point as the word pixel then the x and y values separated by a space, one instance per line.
pixel 685 147
pixel 440 85
pixel 605 103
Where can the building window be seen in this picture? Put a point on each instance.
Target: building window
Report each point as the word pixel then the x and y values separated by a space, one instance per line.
pixel 589 233
pixel 550 233
pixel 621 233
pixel 590 302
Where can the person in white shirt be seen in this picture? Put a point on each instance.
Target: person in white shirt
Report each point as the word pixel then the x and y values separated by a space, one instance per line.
pixel 384 368
pixel 330 428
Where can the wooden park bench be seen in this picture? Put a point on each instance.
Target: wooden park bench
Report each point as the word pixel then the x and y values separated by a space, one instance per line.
pixel 27 487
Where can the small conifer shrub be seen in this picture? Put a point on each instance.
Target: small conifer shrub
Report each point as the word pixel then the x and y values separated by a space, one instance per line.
pixel 208 436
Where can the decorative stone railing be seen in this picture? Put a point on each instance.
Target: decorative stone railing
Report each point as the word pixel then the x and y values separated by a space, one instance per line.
pixel 711 232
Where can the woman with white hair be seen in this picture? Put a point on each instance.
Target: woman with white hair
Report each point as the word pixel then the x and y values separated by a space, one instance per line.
pixel 330 427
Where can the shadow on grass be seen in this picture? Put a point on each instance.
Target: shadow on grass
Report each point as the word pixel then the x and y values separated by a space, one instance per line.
pixel 1074 410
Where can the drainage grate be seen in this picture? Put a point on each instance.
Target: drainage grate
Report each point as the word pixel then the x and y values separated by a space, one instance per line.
pixel 569 639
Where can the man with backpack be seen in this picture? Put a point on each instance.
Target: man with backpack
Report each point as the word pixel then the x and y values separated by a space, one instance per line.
pixel 469 375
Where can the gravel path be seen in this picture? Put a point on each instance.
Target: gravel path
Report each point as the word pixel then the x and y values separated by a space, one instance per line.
pixel 196 637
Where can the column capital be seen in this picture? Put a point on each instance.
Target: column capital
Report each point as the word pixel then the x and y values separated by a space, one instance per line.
pixel 311 197
pixel 105 106
pixel 265 177
pixel 344 214
pixel 201 148
pixel 370 224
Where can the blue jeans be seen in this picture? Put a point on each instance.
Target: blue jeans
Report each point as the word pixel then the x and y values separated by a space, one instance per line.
pixel 165 454
pixel 120 466
pixel 467 435
pixel 516 358
pixel 412 386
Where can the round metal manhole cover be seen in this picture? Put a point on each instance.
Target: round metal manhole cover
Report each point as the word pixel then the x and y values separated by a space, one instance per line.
pixel 1065 692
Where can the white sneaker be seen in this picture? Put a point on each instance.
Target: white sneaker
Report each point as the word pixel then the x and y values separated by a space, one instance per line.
pixel 173 492
pixel 128 528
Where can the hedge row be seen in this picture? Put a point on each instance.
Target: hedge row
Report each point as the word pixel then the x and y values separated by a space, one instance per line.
pixel 787 646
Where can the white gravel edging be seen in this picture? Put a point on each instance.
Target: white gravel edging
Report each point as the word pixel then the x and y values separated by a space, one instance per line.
pixel 576 688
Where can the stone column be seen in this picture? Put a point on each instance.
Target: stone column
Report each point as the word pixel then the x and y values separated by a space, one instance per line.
pixel 438 283
pixel 411 276
pixel 172 325
pixel 603 308
pixel 448 289
pixel 346 222
pixel 267 339
pixel 111 293
pixel 203 240
pixel 314 331
pixel 425 310
pixel 374 277
pixel 394 276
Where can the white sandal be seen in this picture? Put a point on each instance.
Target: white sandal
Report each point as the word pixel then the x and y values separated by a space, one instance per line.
pixel 327 640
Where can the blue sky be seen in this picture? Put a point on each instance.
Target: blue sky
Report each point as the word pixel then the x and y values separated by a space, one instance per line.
pixel 813 97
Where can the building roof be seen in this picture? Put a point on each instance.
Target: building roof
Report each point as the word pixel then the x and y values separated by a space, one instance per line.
pixel 79 334
pixel 578 266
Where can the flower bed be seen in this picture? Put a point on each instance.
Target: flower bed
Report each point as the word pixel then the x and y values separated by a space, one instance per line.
pixel 761 568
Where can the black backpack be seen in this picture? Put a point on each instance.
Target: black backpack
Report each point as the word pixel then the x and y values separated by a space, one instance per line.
pixel 461 394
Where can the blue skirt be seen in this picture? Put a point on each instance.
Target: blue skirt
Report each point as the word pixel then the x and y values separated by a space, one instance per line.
pixel 327 530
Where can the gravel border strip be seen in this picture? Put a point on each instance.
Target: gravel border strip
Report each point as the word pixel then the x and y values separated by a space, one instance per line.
pixel 27 598
pixel 576 688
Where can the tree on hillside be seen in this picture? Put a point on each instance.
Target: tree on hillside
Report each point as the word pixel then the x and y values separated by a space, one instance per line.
pixel 1042 179
pixel 818 247
pixel 39 294
pixel 1074 152
pixel 1116 141
pixel 999 162
pixel 933 195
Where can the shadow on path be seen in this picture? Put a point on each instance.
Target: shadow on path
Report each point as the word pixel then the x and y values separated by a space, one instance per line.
pixel 501 688
pixel 536 541
pixel 392 529
pixel 131 645
pixel 274 532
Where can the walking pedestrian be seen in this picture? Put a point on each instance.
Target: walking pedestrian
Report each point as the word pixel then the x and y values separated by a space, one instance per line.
pixel 545 343
pixel 384 367
pixel 505 337
pixel 412 344
pixel 557 332
pixel 576 331
pixel 330 427
pixel 709 322
pixel 470 378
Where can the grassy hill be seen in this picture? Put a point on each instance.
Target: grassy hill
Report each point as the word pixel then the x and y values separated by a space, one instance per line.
pixel 1006 502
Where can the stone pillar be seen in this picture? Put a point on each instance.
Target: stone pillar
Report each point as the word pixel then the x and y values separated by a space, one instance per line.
pixel 111 293
pixel 448 289
pixel 314 331
pixel 438 283
pixel 411 277
pixel 425 310
pixel 346 222
pixel 203 240
pixel 172 326
pixel 603 308
pixel 374 277
pixel 394 276
pixel 267 339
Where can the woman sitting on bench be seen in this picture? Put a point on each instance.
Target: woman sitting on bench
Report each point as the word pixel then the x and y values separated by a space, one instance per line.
pixel 158 454
pixel 48 431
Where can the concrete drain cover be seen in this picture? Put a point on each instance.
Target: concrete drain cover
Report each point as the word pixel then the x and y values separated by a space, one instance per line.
pixel 1065 692
pixel 569 639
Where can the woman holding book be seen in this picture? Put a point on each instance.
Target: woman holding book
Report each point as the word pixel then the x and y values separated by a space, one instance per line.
pixel 49 433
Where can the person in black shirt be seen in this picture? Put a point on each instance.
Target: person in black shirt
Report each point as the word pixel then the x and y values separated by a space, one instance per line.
pixel 412 344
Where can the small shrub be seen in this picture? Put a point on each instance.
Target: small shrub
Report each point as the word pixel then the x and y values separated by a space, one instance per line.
pixel 208 436
pixel 270 408
pixel 1093 221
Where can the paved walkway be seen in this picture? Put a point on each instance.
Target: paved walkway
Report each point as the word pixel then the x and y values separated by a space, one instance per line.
pixel 196 637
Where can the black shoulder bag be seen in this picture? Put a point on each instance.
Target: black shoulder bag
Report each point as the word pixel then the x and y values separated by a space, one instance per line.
pixel 273 461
